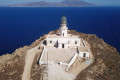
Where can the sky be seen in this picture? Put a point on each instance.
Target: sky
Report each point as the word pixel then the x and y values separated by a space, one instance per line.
pixel 97 2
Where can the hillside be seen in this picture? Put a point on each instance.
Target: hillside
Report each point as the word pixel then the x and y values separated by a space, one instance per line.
pixel 66 3
pixel 106 65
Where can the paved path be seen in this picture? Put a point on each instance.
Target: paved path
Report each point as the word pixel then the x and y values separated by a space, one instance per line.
pixel 57 55
pixel 57 72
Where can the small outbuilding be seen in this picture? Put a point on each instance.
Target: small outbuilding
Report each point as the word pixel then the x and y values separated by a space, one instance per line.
pixel 83 52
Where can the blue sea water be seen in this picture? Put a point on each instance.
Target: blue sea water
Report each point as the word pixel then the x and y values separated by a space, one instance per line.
pixel 22 26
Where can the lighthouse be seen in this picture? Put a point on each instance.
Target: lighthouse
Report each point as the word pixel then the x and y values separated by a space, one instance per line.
pixel 63 40
pixel 63 29
pixel 63 48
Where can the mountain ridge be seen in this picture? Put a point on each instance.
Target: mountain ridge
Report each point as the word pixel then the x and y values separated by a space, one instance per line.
pixel 65 3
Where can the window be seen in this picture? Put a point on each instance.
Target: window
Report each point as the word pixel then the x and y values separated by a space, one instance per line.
pixel 84 54
pixel 50 41
pixel 63 45
pixel 75 42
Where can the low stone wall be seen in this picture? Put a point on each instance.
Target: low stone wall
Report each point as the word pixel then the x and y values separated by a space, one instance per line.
pixel 65 64
pixel 40 62
pixel 83 43
pixel 42 52
pixel 72 61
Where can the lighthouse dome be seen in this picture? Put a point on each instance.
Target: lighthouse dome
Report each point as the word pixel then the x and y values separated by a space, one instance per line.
pixel 63 20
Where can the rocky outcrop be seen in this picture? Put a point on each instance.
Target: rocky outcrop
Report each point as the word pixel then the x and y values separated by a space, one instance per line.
pixel 12 65
pixel 106 65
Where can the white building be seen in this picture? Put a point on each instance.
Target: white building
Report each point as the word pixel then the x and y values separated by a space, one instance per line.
pixel 83 52
pixel 69 47
pixel 63 40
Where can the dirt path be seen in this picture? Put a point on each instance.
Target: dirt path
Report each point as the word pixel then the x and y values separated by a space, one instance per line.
pixel 28 63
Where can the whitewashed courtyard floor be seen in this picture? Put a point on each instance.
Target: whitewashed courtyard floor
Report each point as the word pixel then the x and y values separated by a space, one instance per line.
pixel 58 55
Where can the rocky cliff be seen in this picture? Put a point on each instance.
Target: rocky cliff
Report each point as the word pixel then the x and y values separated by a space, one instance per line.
pixel 106 65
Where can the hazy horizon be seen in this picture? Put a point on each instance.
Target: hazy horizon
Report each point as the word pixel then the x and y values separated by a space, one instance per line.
pixel 97 2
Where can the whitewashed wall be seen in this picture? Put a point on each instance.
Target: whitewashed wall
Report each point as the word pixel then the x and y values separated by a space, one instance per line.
pixel 66 46
pixel 59 46
pixel 40 62
pixel 65 64
pixel 54 41
pixel 72 61
pixel 71 42
pixel 63 31
pixel 81 54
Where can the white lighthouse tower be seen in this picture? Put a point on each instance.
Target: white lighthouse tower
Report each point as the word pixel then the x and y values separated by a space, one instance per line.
pixel 63 29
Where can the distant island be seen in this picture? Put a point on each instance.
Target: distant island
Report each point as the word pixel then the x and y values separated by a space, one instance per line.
pixel 65 3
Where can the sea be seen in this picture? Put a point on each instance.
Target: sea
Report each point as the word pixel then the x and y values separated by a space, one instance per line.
pixel 20 26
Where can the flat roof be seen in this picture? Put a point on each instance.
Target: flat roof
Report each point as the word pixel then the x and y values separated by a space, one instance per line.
pixel 83 49
pixel 63 37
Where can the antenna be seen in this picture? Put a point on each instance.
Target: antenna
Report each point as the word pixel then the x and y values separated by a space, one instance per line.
pixel 47 59
pixel 47 65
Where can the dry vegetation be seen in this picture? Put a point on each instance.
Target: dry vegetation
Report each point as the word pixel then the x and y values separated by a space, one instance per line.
pixel 107 60
pixel 106 65
pixel 12 66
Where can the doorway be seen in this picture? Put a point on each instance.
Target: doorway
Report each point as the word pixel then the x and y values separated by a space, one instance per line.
pixel 63 45
pixel 84 54
pixel 63 34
